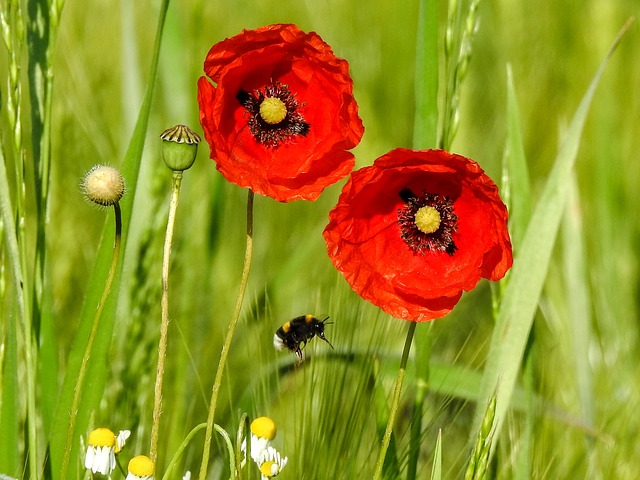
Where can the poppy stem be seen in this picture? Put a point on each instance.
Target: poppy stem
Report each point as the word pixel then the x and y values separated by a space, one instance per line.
pixel 422 361
pixel 395 401
pixel 227 342
pixel 164 324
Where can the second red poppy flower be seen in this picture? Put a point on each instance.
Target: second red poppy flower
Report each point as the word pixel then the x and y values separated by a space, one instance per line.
pixel 417 228
pixel 281 115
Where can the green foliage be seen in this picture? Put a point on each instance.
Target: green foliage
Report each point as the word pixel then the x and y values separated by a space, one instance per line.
pixel 573 373
pixel 521 297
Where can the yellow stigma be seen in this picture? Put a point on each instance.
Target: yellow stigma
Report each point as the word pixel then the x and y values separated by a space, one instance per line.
pixel 102 437
pixel 273 110
pixel 141 466
pixel 264 427
pixel 427 219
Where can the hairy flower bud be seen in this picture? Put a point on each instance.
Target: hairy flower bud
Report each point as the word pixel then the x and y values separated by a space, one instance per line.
pixel 103 185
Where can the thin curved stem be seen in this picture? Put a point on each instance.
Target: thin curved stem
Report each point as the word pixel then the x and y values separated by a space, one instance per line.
pixel 395 402
pixel 164 304
pixel 87 352
pixel 227 342
pixel 185 443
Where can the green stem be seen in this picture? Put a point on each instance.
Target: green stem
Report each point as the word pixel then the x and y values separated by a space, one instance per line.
pixel 12 23
pixel 395 401
pixel 87 352
pixel 181 448
pixel 232 459
pixel 227 343
pixel 422 362
pixel 164 305
pixel 240 436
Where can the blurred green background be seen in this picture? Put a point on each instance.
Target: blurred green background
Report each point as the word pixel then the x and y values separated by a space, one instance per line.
pixel 326 410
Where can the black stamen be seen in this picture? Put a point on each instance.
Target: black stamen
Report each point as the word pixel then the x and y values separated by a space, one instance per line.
pixel 406 195
pixel 272 135
pixel 244 98
pixel 440 240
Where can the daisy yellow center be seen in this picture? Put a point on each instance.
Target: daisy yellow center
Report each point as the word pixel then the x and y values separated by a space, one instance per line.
pixel 273 110
pixel 102 437
pixel 266 468
pixel 141 466
pixel 427 219
pixel 264 427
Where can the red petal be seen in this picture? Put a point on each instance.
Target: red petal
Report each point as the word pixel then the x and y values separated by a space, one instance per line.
pixel 364 242
pixel 303 166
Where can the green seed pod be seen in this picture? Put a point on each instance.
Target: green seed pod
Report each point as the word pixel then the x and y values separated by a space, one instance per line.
pixel 179 147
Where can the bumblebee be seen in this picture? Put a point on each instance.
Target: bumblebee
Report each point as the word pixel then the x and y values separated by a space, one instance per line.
pixel 295 334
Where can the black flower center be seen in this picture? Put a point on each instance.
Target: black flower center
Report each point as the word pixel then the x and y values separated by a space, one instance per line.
pixel 274 114
pixel 427 222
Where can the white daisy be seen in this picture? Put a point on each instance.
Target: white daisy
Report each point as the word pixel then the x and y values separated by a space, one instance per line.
pixel 121 439
pixel 140 468
pixel 271 463
pixel 263 430
pixel 100 456
pixel 102 448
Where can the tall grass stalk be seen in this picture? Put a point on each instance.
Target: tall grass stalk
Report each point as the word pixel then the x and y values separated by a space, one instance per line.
pixel 77 392
pixel 425 135
pixel 164 325
pixel 235 316
pixel 12 24
pixel 459 33
pixel 9 455
pixel 479 459
pixel 425 123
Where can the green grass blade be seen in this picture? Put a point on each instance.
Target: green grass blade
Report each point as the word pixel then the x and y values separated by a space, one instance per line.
pixel 99 361
pixel 575 273
pixel 425 124
pixel 524 460
pixel 518 192
pixel 9 408
pixel 436 470
pixel 528 274
pixel 9 453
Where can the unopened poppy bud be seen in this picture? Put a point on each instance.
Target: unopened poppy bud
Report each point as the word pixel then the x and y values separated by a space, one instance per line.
pixel 179 147
pixel 103 185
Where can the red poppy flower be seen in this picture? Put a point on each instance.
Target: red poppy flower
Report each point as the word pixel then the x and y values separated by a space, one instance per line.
pixel 415 229
pixel 281 116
